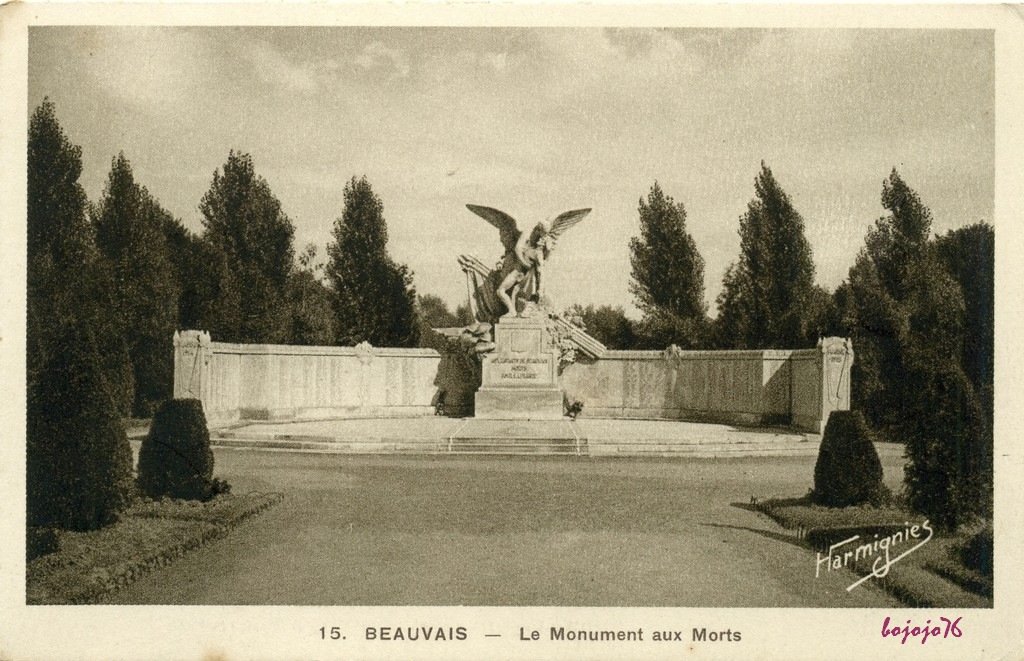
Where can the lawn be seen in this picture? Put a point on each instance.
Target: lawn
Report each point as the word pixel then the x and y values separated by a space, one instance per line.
pixel 933 576
pixel 149 535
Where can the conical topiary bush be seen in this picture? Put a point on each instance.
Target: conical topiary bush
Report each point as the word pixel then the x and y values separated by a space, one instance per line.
pixel 848 470
pixel 175 459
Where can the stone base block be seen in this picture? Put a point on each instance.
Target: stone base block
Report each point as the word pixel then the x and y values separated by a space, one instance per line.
pixel 518 404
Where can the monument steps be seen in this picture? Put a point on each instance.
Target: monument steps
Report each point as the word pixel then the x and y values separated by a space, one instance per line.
pixel 529 442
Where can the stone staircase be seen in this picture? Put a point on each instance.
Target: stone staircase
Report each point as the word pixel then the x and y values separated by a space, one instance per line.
pixel 563 438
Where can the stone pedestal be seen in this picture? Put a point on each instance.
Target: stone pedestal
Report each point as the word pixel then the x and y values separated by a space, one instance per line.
pixel 520 377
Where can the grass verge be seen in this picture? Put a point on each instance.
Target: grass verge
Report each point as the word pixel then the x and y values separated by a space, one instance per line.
pixel 932 576
pixel 149 535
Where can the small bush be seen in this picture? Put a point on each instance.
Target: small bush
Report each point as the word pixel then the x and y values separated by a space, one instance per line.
pixel 175 459
pixel 848 470
pixel 977 553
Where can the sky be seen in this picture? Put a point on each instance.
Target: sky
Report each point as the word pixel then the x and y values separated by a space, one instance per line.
pixel 536 121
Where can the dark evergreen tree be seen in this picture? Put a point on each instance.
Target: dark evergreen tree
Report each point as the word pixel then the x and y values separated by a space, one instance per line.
pixel 969 254
pixel 374 299
pixel 253 242
pixel 129 233
pixel 79 462
pixel 66 280
pixel 767 293
pixel 192 264
pixel 463 315
pixel 906 313
pixel 876 312
pixel 175 459
pixel 667 271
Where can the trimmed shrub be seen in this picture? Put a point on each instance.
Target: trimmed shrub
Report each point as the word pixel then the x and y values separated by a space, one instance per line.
pixel 79 462
pixel 848 470
pixel 175 459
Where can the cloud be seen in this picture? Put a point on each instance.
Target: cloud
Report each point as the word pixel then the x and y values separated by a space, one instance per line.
pixel 376 55
pixel 278 70
pixel 144 66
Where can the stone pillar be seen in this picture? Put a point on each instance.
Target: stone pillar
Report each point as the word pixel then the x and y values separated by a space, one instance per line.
pixel 520 377
pixel 192 353
pixel 837 364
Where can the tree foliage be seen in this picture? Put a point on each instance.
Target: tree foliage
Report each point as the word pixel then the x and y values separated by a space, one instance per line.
pixel 434 312
pixel 905 307
pixel 66 279
pixel 129 234
pixel 252 240
pixel 968 254
pixel 668 271
pixel 79 463
pixel 608 324
pixel 766 293
pixel 309 299
pixel 374 299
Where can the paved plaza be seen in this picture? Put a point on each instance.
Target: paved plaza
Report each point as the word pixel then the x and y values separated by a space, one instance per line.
pixel 525 531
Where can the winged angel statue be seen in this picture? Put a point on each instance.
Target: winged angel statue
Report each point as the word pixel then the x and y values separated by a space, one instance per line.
pixel 519 273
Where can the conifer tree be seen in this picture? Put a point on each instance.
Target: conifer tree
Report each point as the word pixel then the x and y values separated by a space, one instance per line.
pixel 252 239
pixel 66 281
pixel 129 234
pixel 374 299
pixel 766 294
pixel 667 273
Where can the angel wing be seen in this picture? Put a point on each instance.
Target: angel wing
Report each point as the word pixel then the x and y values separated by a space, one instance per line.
pixel 566 220
pixel 505 223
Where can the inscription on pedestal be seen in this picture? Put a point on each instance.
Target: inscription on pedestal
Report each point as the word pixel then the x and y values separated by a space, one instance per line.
pixel 519 377
pixel 515 370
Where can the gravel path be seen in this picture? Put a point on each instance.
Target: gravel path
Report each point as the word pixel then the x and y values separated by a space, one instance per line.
pixel 360 530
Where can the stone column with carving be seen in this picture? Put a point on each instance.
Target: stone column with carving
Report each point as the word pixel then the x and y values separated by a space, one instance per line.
pixel 192 353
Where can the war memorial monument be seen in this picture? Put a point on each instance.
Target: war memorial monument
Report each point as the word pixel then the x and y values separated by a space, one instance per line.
pixel 511 378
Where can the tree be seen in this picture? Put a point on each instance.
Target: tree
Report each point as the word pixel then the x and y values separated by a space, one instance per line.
pixel 463 315
pixel 312 322
pixel 79 462
pixel 607 324
pixel 906 313
pixel 66 281
pixel 129 234
pixel 667 271
pixel 434 312
pixel 374 299
pixel 875 312
pixel 968 254
pixel 949 445
pixel 253 241
pixel 192 264
pixel 766 293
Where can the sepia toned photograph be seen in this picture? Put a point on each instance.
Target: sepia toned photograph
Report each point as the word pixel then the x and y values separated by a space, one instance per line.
pixel 479 316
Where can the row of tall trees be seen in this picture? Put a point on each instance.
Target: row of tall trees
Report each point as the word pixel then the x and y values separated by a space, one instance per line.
pixel 768 298
pixel 920 311
pixel 133 273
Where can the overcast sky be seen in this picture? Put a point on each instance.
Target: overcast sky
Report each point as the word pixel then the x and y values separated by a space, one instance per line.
pixel 536 122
